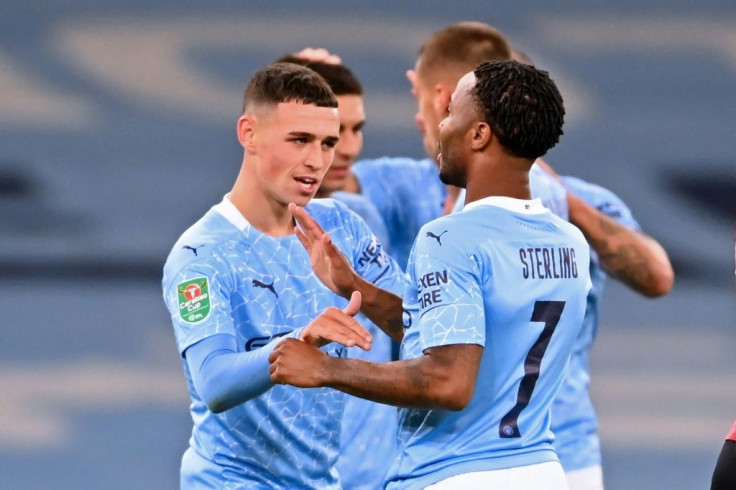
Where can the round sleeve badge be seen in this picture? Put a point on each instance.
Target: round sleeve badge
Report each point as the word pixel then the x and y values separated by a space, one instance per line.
pixel 194 300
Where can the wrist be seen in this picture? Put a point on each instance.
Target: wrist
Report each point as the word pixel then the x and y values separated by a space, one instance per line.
pixel 325 373
pixel 356 283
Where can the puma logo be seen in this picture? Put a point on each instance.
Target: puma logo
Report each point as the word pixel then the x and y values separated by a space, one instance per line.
pixel 263 285
pixel 436 237
pixel 193 249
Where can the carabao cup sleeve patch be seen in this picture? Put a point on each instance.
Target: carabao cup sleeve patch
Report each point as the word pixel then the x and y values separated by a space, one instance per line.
pixel 194 299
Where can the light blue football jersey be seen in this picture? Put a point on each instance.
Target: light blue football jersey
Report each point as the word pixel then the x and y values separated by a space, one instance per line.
pixel 223 276
pixel 407 193
pixel 574 421
pixel 512 277
pixel 368 435
pixel 363 207
pixel 542 186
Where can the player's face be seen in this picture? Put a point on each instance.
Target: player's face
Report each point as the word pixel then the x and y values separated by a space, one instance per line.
pixel 427 117
pixel 294 145
pixel 455 133
pixel 352 119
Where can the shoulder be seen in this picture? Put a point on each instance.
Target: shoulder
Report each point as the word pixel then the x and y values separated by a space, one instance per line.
pixel 353 201
pixel 394 165
pixel 445 235
pixel 568 230
pixel 199 245
pixel 334 216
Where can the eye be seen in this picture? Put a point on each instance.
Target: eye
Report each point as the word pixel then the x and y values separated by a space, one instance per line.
pixel 328 145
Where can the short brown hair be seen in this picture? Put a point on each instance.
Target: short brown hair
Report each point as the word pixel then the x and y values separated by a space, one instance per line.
pixel 287 82
pixel 460 48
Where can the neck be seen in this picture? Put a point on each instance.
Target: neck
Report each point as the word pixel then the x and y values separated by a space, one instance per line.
pixel 266 215
pixel 508 177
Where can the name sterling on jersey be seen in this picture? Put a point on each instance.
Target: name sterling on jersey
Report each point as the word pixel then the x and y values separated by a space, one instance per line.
pixel 429 291
pixel 548 263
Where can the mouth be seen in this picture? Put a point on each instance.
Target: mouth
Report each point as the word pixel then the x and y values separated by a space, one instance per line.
pixel 338 171
pixel 307 185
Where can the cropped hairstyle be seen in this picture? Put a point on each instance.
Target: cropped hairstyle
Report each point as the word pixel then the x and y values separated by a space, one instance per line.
pixel 522 106
pixel 287 82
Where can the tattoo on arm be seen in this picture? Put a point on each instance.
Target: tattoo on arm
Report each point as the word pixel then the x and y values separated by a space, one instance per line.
pixel 619 254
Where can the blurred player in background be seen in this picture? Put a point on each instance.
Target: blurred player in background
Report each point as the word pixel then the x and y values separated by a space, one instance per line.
pixel 368 434
pixel 239 280
pixel 494 290
pixel 408 192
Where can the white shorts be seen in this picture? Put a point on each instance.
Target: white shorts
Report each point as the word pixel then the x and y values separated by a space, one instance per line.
pixel 590 478
pixel 548 476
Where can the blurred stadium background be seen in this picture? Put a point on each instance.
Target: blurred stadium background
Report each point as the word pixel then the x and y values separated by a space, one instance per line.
pixel 117 132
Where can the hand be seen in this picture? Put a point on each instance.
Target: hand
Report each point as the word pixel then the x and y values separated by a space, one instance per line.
pixel 296 363
pixel 329 264
pixel 335 325
pixel 319 55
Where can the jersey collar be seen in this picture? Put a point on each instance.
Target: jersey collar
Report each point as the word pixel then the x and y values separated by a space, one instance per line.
pixel 228 210
pixel 523 206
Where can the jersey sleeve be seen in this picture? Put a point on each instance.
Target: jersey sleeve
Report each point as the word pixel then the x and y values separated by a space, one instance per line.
pixel 198 300
pixel 603 200
pixel 448 302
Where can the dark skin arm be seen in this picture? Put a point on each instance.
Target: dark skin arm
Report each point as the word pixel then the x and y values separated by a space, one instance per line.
pixel 382 307
pixel 444 377
pixel 630 256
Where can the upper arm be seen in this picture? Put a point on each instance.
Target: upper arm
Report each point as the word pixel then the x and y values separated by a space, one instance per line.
pixel 453 371
pixel 198 300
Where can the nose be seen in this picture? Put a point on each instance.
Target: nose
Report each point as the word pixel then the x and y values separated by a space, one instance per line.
pixel 349 146
pixel 420 122
pixel 315 156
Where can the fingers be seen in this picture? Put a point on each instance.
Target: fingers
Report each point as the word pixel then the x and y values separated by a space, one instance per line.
pixel 334 325
pixel 310 227
pixel 353 306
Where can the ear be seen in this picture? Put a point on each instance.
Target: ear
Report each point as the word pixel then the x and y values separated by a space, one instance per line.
pixel 442 95
pixel 481 136
pixel 246 131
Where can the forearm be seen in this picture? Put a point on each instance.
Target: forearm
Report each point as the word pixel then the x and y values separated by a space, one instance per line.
pixel 224 377
pixel 382 307
pixel 410 384
pixel 626 254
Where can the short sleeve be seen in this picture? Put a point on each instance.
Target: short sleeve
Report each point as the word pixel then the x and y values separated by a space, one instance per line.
pixel 604 200
pixel 448 289
pixel 198 300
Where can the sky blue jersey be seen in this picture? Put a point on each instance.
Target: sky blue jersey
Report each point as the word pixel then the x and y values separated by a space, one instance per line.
pixel 223 276
pixel 407 193
pixel 573 418
pixel 368 436
pixel 518 289
pixel 542 186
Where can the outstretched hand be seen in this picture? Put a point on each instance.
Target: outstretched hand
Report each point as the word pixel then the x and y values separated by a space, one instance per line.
pixel 329 264
pixel 299 362
pixel 335 325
